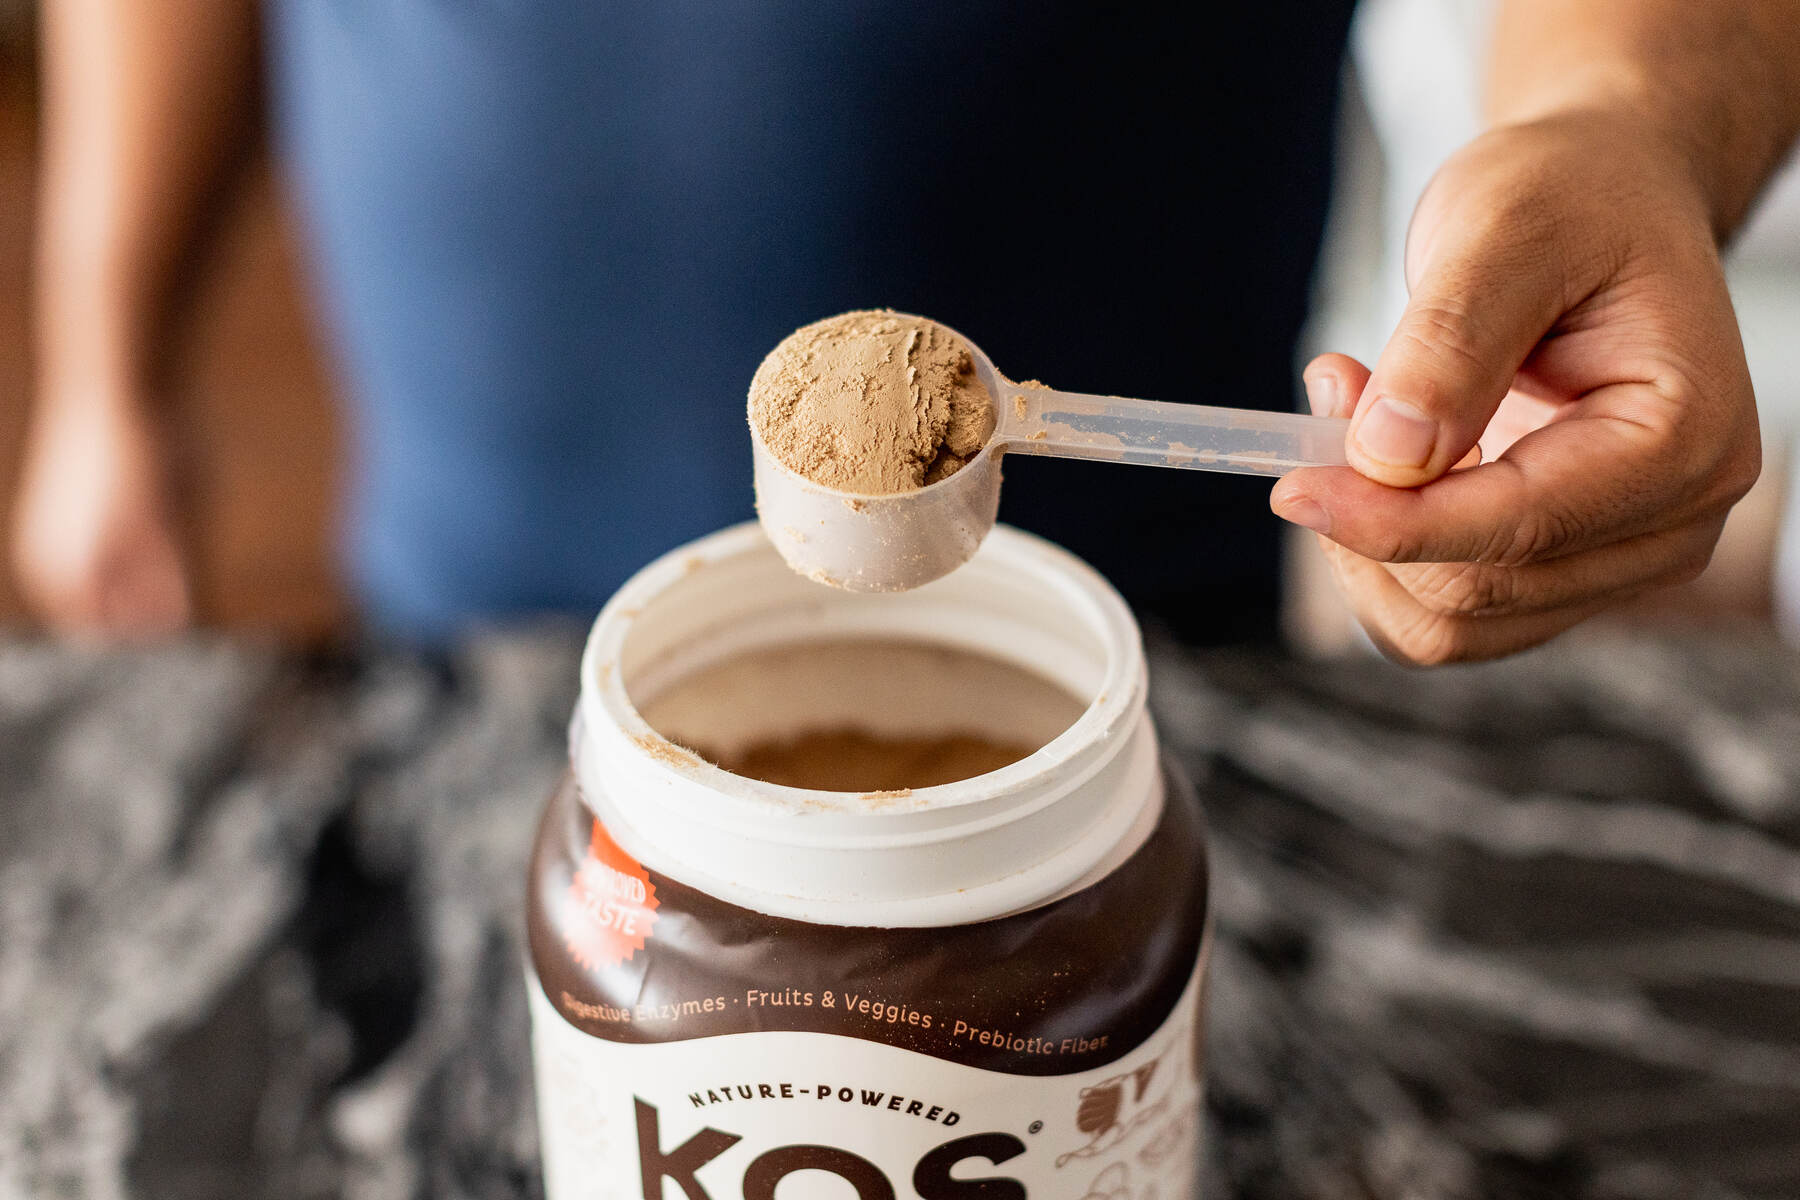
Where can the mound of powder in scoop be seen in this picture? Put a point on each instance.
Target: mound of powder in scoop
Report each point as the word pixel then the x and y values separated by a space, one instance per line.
pixel 872 403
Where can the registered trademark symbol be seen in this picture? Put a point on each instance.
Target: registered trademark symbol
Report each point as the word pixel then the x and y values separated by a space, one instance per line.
pixel 1035 1127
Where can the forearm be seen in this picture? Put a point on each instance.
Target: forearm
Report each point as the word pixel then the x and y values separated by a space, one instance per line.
pixel 1718 81
pixel 145 102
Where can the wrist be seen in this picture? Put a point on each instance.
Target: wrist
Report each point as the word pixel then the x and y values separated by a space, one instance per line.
pixel 91 363
pixel 97 337
pixel 1717 145
pixel 92 387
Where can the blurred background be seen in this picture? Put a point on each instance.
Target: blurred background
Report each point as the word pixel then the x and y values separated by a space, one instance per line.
pixel 1525 929
pixel 251 398
pixel 257 425
pixel 354 429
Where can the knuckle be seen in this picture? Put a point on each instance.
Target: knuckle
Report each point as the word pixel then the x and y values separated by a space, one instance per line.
pixel 1385 543
pixel 1690 565
pixel 1433 640
pixel 1714 450
pixel 1689 569
pixel 1539 533
pixel 1464 589
pixel 1740 473
pixel 1443 335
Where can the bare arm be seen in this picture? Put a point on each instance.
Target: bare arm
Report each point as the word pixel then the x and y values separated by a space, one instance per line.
pixel 1568 314
pixel 146 103
pixel 1720 80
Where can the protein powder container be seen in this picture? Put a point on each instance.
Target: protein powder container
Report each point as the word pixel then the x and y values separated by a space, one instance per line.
pixel 982 989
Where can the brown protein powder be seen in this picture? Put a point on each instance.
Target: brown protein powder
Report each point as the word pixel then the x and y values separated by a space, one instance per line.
pixel 924 740
pixel 847 759
pixel 872 403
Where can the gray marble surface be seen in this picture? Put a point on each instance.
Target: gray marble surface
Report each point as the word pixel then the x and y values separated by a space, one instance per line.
pixel 1526 930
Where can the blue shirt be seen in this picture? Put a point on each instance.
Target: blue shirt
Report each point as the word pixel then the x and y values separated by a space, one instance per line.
pixel 553 240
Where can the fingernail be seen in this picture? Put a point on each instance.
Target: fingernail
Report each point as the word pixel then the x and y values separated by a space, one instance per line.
pixel 1397 434
pixel 1322 394
pixel 1307 514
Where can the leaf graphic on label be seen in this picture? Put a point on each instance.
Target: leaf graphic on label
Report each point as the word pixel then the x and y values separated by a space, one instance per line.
pixel 1099 1110
pixel 1142 1077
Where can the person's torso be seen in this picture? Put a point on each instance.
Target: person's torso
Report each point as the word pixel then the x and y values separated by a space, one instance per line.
pixel 555 240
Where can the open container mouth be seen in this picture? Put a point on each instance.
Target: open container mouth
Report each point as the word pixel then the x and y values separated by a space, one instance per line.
pixel 881 718
pixel 1022 615
pixel 1067 813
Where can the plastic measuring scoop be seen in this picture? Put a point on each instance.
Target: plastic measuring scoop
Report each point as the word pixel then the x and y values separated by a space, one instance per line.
pixel 896 542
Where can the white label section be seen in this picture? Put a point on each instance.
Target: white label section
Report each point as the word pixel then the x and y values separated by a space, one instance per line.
pixel 813 1116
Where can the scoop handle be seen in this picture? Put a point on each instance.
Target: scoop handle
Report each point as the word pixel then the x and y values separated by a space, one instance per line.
pixel 1040 420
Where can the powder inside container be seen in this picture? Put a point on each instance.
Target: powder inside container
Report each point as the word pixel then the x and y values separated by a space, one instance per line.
pixel 861 716
pixel 851 760
pixel 872 403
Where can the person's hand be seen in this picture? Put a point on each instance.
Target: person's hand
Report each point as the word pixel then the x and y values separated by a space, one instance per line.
pixel 1569 316
pixel 94 548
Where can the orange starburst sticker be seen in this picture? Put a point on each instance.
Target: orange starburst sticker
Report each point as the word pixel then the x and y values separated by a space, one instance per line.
pixel 614 904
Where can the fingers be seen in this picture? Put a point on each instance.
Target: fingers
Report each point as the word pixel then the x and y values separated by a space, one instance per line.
pixel 1489 561
pixel 1409 632
pixel 1618 572
pixel 1333 382
pixel 1431 614
pixel 1569 316
pixel 94 545
pixel 133 589
pixel 1573 485
pixel 1485 293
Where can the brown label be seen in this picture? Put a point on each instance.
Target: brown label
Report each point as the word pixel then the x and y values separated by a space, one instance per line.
pixel 1063 988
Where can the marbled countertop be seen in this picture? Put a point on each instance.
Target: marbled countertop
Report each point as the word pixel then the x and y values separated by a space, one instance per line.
pixel 1525 930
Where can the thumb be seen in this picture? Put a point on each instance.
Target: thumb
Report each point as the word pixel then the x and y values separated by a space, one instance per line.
pixel 1485 294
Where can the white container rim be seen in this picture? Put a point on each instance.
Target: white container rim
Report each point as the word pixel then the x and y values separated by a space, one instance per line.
pixel 1006 840
pixel 1120 694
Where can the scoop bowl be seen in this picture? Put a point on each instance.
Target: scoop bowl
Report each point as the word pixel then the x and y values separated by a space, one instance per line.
pixel 877 543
